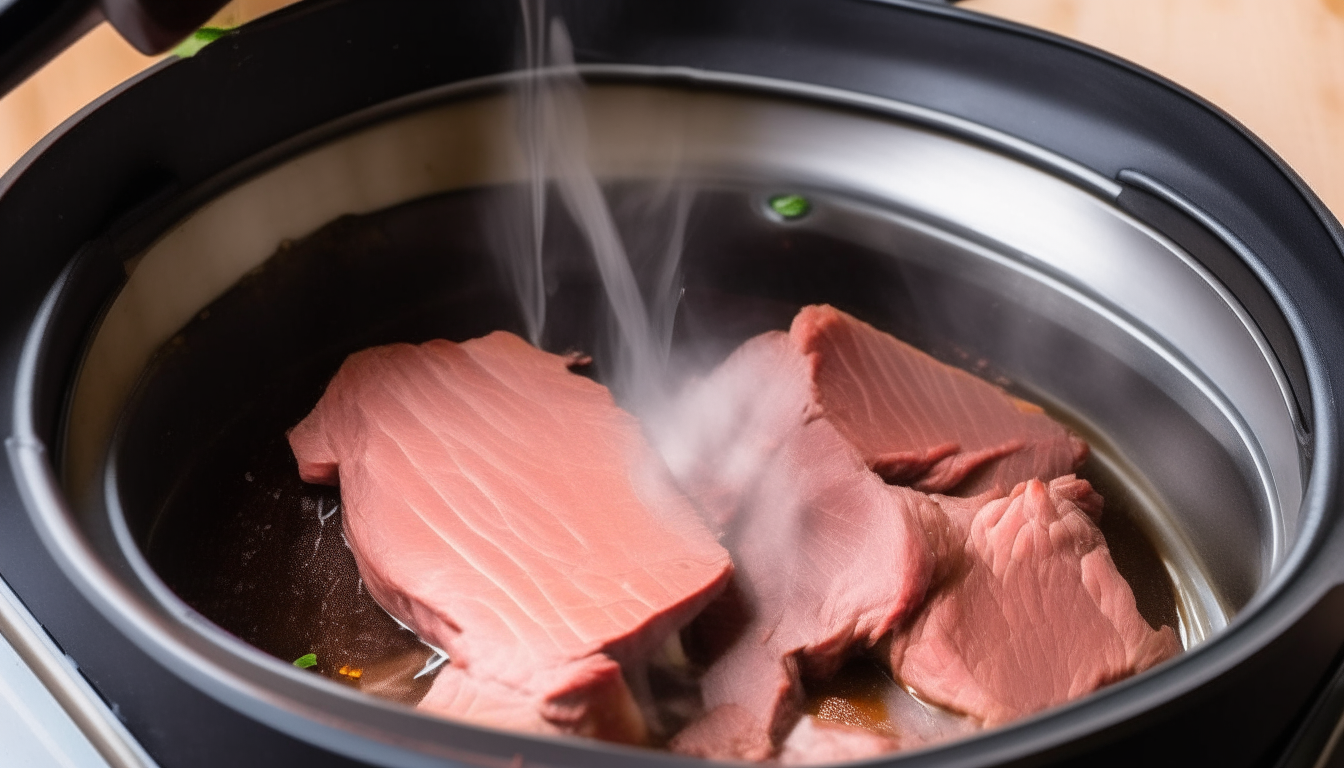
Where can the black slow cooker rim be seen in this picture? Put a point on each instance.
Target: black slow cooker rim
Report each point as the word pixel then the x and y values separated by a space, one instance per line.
pixel 1303 579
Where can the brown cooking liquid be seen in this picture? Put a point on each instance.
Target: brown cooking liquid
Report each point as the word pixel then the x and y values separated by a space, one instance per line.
pixel 257 558
pixel 857 696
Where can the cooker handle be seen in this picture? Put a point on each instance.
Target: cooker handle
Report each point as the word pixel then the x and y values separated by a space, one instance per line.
pixel 154 26
pixel 32 32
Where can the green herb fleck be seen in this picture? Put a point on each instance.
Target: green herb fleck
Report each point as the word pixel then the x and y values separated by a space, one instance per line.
pixel 306 660
pixel 198 40
pixel 790 206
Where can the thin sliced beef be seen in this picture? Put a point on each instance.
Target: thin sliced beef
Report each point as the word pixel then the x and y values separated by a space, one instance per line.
pixel 1034 614
pixel 510 513
pixel 829 559
pixel 814 741
pixel 721 432
pixel 913 420
pixel 921 423
pixel 814 465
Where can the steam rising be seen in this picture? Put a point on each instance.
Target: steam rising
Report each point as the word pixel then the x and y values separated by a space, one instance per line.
pixel 526 262
pixel 643 286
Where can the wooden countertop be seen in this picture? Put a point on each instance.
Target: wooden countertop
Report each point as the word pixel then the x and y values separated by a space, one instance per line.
pixel 1275 65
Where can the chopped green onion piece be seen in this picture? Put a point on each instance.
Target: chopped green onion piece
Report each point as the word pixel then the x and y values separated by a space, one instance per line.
pixel 198 40
pixel 306 660
pixel 790 206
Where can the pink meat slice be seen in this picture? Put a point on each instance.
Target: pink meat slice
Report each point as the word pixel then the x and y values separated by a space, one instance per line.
pixel 921 423
pixel 829 559
pixel 814 742
pixel 1035 613
pixel 722 431
pixel 785 447
pixel 913 420
pixel 511 514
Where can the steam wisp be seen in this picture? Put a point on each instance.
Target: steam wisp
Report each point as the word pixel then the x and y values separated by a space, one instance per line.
pixel 642 289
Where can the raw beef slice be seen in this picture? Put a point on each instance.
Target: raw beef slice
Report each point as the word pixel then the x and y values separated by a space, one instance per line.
pixel 721 432
pixel 1035 614
pixel 921 423
pixel 913 420
pixel 815 741
pixel 829 559
pixel 789 466
pixel 511 514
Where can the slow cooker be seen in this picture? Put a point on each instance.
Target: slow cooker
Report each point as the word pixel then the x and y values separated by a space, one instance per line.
pixel 188 259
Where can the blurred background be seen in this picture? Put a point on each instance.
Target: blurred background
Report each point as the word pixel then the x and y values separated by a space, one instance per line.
pixel 1275 65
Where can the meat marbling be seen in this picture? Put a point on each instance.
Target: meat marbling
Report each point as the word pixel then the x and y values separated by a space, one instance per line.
pixel 510 513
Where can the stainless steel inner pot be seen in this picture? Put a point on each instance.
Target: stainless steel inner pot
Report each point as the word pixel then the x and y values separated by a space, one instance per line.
pixel 1015 258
